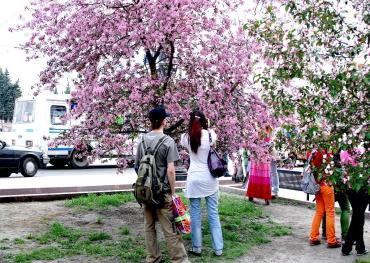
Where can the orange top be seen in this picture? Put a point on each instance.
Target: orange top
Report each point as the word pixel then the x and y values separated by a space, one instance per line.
pixel 317 161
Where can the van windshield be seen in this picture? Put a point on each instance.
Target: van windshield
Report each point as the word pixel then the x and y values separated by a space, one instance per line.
pixel 24 112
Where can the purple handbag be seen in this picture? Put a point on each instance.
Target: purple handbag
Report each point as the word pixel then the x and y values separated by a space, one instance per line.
pixel 217 166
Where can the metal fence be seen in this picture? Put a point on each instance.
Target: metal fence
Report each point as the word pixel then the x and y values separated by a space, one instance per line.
pixel 289 179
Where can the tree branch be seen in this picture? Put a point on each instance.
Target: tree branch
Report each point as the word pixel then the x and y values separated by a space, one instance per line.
pixel 170 65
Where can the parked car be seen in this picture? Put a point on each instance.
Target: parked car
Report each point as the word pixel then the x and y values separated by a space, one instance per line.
pixel 15 159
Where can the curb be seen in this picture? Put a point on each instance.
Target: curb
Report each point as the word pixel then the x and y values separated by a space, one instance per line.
pixel 60 193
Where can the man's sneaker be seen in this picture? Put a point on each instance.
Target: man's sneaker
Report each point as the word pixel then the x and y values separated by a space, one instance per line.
pixel 346 254
pixel 335 245
pixel 194 253
pixel 315 242
pixel 363 253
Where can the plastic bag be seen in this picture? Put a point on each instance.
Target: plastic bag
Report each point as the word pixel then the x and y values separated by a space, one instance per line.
pixel 181 215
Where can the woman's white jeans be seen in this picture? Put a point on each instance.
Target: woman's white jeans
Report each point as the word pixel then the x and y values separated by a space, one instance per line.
pixel 214 223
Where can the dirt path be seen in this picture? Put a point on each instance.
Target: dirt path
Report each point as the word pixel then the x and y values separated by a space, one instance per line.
pixel 19 219
pixel 295 248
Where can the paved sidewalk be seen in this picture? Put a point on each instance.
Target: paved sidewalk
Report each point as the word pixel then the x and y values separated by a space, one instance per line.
pixel 286 194
pixel 100 180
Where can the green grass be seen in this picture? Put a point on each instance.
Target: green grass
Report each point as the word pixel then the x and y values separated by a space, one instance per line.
pixel 363 260
pixel 244 226
pixel 96 236
pixel 124 231
pixel 59 233
pixel 61 242
pixel 19 241
pixel 132 249
pixel 99 202
pixel 48 253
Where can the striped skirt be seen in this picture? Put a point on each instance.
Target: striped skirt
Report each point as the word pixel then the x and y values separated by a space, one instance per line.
pixel 259 184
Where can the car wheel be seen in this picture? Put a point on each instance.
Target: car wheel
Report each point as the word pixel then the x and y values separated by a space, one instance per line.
pixel 29 167
pixel 58 163
pixel 5 173
pixel 78 162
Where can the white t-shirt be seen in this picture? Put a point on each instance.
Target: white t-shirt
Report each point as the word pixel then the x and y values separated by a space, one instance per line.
pixel 200 182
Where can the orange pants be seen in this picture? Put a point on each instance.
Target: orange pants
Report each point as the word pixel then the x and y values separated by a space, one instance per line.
pixel 324 204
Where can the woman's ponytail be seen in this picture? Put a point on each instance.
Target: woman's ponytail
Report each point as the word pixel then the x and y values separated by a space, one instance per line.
pixel 197 123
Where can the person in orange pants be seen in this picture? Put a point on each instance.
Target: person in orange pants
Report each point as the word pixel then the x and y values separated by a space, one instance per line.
pixel 324 204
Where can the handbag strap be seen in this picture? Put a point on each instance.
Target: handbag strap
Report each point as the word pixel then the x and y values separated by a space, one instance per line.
pixel 210 141
pixel 310 157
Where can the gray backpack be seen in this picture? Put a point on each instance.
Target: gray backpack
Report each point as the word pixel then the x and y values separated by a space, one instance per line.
pixel 308 183
pixel 148 188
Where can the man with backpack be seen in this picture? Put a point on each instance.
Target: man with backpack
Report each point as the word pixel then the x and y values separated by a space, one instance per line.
pixel 154 164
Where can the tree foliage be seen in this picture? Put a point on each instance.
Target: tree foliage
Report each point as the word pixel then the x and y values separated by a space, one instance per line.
pixel 317 72
pixel 9 92
pixel 132 55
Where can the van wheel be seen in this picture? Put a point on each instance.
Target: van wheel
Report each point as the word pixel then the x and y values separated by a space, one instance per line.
pixel 58 163
pixel 78 162
pixel 29 167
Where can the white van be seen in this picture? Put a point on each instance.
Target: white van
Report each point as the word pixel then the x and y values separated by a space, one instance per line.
pixel 37 120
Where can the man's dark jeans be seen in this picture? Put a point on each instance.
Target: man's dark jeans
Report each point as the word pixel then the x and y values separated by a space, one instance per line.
pixel 359 201
pixel 345 214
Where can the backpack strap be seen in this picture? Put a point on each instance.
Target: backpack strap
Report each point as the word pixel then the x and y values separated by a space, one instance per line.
pixel 159 143
pixel 143 145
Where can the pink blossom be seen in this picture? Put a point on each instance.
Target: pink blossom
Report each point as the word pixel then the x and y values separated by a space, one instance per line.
pixel 348 158
pixel 344 157
pixel 360 150
pixel 105 44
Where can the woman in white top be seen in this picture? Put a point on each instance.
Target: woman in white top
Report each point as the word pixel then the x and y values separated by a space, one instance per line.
pixel 200 183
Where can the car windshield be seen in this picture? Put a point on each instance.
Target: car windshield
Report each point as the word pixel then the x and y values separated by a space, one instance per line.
pixel 24 112
pixel 56 114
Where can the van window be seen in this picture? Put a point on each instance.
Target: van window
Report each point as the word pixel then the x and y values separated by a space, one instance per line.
pixel 56 114
pixel 24 112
